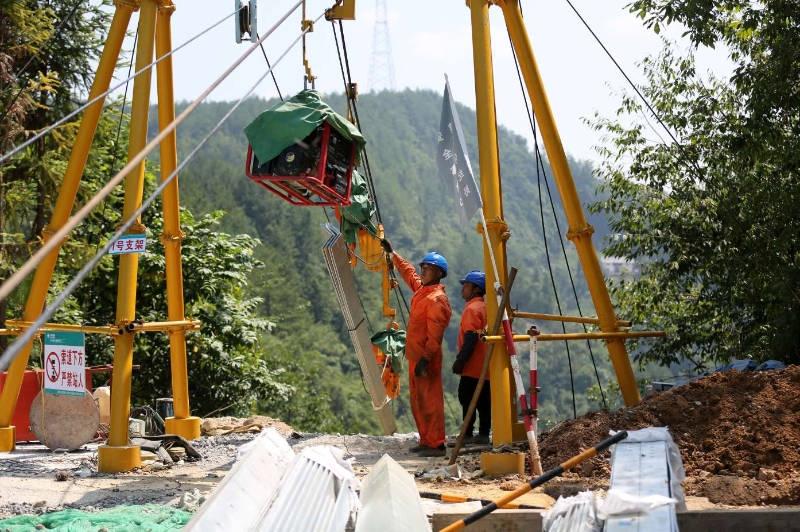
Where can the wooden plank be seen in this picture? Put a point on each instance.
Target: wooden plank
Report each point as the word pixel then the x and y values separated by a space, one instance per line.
pixel 722 520
pixel 497 521
pixel 752 520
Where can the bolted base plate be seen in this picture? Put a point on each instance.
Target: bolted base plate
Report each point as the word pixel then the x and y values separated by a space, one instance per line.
pixel 118 459
pixel 499 464
pixel 8 439
pixel 188 427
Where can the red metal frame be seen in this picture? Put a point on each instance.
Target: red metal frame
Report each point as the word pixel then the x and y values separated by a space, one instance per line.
pixel 306 190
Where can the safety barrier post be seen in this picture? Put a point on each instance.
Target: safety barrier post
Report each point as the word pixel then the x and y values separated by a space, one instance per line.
pixel 117 455
pixel 580 232
pixel 183 423
pixel 488 151
pixel 37 296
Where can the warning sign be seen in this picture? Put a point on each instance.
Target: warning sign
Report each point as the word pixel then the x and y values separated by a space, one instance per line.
pixel 65 363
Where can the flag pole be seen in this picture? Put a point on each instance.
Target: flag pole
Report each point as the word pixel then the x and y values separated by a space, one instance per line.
pixel 527 413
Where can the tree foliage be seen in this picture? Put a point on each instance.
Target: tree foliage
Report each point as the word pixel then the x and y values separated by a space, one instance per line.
pixel 714 220
pixel 45 73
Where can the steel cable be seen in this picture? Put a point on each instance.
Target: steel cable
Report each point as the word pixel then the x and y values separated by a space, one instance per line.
pixel 102 95
pixel 14 349
pixel 12 282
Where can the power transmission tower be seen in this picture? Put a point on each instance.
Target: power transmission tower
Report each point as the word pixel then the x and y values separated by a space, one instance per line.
pixel 381 68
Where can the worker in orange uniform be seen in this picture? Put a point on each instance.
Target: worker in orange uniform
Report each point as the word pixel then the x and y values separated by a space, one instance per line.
pixel 428 318
pixel 471 352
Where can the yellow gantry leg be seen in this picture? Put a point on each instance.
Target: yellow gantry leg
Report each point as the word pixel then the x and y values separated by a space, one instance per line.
pixel 580 232
pixel 183 423
pixel 118 455
pixel 499 369
pixel 66 200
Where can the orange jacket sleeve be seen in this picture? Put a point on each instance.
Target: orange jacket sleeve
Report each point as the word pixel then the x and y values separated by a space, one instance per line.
pixel 473 319
pixel 438 320
pixel 407 272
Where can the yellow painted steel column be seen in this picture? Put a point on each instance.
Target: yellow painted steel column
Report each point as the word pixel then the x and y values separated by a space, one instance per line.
pixel 580 232
pixel 499 369
pixel 183 423
pixel 118 455
pixel 37 297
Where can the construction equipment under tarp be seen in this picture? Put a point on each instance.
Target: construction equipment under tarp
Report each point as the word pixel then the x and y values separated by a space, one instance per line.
pixel 304 152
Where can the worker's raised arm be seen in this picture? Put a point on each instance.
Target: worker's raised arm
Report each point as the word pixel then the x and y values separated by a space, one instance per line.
pixel 407 272
pixel 438 320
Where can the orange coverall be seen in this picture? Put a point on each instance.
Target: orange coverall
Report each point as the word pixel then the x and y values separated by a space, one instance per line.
pixel 473 319
pixel 428 319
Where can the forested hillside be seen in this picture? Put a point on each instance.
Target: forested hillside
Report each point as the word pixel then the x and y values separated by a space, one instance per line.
pixel 309 342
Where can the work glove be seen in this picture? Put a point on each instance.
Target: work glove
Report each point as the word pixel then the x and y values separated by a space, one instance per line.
pixel 386 245
pixel 458 366
pixel 421 369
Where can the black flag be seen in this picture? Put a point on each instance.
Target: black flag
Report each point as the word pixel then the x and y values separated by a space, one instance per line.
pixel 453 161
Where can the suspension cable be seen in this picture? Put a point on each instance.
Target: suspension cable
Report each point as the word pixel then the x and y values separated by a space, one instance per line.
pixel 21 71
pixel 569 272
pixel 269 66
pixel 367 168
pixel 55 240
pixel 553 282
pixel 102 95
pixel 540 166
pixel 14 349
pixel 353 109
pixel 646 102
pixel 341 68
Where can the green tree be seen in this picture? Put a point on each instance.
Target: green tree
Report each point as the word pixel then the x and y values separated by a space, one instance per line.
pixel 226 367
pixel 48 49
pixel 713 221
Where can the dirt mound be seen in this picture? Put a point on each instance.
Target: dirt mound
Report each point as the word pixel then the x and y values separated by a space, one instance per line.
pixel 217 426
pixel 739 435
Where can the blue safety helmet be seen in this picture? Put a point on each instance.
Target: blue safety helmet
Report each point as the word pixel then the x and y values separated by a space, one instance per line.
pixel 435 259
pixel 476 277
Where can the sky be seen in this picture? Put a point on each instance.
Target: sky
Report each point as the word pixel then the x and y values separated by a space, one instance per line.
pixel 428 39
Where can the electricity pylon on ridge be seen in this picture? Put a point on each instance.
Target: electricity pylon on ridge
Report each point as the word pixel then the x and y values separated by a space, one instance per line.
pixel 381 67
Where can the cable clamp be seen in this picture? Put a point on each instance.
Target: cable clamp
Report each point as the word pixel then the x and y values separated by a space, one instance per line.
pixel 585 231
pixel 133 4
pixel 166 7
pixel 168 238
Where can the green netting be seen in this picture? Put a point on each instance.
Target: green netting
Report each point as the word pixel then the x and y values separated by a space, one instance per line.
pixel 393 343
pixel 360 211
pixel 147 517
pixel 287 122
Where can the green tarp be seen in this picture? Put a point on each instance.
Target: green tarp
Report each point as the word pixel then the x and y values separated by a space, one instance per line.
pixel 360 211
pixel 393 343
pixel 287 122
pixel 148 517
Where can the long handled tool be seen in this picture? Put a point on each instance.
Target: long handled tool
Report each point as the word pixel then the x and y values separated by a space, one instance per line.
pixel 457 497
pixel 538 481
pixel 479 387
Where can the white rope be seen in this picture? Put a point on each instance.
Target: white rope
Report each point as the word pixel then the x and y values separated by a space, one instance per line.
pixel 101 96
pixel 56 239
pixel 13 350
